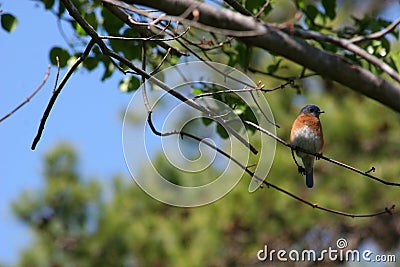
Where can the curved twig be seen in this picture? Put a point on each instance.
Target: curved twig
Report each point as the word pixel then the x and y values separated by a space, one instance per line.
pixel 376 35
pixel 57 91
pixel 27 99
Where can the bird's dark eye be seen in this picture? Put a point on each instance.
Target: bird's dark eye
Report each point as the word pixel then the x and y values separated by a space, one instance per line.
pixel 312 109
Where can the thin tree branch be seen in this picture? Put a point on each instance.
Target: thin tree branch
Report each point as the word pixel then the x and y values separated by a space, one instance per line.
pixel 141 29
pixel 58 73
pixel 262 9
pixel 320 156
pixel 57 91
pixel 161 62
pixel 344 44
pixel 278 77
pixel 290 81
pixel 376 35
pixel 201 46
pixel 150 38
pixel 238 7
pixel 27 99
pixel 214 68
pixel 228 91
pixel 144 93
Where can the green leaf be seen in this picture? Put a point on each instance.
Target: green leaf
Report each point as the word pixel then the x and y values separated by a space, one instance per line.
pixel 79 30
pixel 129 84
pixel 48 4
pixel 255 5
pixel 301 3
pixel 385 44
pixel 174 60
pixel 329 46
pixel 206 121
pixel 248 115
pixel 196 91
pixel 9 22
pixel 111 24
pixel 109 69
pixel 330 8
pixel 221 131
pixel 274 67
pixel 392 62
pixel 72 59
pixel 92 19
pixel 61 10
pixel 131 50
pixel 90 63
pixel 62 54
pixel 311 12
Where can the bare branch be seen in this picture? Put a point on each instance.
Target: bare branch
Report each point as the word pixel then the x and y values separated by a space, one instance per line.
pixel 161 62
pixel 238 7
pixel 211 46
pixel 150 38
pixel 57 91
pixel 290 81
pixel 266 4
pixel 285 78
pixel 376 35
pixel 58 73
pixel 27 99
pixel 228 91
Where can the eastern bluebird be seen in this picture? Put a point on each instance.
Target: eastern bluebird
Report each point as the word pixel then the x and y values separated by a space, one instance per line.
pixel 307 134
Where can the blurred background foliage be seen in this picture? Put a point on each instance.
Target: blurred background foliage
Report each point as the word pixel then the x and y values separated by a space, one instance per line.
pixel 79 221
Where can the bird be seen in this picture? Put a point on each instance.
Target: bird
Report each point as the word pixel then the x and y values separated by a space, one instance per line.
pixel 307 135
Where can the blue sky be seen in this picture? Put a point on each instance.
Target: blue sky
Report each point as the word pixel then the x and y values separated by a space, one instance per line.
pixel 86 114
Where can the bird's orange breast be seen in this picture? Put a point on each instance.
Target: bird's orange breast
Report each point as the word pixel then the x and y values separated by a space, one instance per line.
pixel 312 123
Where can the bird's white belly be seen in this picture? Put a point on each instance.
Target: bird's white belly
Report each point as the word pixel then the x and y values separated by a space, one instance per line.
pixel 307 139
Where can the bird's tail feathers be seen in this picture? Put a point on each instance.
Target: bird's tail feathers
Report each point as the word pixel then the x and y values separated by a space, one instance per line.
pixel 309 166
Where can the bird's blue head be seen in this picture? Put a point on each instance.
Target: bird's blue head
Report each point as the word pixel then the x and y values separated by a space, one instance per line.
pixel 311 109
